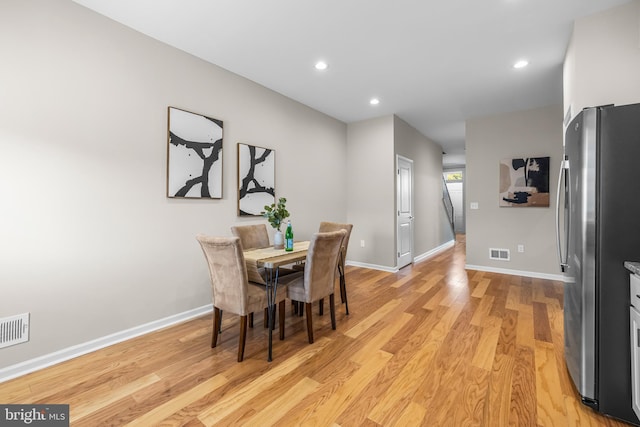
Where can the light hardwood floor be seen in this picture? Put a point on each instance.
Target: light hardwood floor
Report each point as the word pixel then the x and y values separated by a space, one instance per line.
pixel 431 345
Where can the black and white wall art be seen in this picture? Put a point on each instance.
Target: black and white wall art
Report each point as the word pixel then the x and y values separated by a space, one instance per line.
pixel 194 159
pixel 256 179
pixel 524 182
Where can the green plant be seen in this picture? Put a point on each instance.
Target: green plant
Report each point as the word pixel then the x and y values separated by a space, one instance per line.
pixel 276 213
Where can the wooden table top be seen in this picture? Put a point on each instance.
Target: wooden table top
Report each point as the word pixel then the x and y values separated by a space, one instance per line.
pixel 273 258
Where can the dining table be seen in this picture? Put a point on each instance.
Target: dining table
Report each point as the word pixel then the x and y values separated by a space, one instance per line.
pixel 271 259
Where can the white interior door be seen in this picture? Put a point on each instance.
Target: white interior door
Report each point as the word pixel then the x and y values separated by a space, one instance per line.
pixel 404 208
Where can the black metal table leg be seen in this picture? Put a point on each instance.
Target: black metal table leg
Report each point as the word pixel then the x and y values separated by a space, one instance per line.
pixel 343 283
pixel 343 289
pixel 272 285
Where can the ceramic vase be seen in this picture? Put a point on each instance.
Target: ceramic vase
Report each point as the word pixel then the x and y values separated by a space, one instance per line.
pixel 278 240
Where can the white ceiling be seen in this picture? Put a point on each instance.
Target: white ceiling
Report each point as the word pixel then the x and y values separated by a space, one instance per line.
pixel 432 63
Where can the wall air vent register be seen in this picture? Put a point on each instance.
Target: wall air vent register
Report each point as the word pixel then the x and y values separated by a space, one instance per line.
pixel 14 330
pixel 499 254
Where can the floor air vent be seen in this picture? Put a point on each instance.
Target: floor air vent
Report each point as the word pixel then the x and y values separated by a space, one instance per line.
pixel 499 254
pixel 14 330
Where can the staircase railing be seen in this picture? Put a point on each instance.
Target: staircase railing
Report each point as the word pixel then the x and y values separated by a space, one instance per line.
pixel 448 205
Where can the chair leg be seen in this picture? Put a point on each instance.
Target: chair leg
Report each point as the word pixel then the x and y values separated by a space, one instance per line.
pixel 265 322
pixel 343 291
pixel 332 310
pixel 251 320
pixel 220 323
pixel 294 306
pixel 243 337
pixel 300 308
pixel 309 321
pixel 281 310
pixel 321 307
pixel 217 315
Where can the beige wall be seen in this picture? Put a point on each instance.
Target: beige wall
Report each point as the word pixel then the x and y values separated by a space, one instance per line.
pixel 370 191
pixel 536 133
pixel 602 61
pixel 90 245
pixel 372 146
pixel 430 225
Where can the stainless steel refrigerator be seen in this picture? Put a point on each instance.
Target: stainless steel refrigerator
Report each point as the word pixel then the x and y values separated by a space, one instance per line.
pixel 598 228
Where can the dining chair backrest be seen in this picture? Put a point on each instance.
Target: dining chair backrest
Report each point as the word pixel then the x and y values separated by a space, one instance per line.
pixel 252 236
pixel 326 226
pixel 228 273
pixel 321 263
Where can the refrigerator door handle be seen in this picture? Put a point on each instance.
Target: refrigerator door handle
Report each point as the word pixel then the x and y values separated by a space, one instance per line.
pixel 564 172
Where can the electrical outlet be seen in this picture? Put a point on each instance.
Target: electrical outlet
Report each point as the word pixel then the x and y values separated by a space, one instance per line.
pixel 362 243
pixel 521 248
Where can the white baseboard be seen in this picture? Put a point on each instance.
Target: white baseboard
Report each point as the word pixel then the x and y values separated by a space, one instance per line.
pixel 50 359
pixel 533 274
pixel 373 266
pixel 422 257
pixel 435 251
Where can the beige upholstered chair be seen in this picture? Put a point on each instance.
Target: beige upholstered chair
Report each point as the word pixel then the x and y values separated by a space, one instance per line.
pixel 255 236
pixel 251 236
pixel 326 226
pixel 319 275
pixel 232 290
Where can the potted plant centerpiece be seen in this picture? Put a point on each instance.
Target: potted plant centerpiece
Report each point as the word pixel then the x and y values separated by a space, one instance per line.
pixel 276 214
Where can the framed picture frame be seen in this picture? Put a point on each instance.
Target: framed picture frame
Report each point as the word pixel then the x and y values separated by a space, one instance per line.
pixel 256 179
pixel 524 182
pixel 194 155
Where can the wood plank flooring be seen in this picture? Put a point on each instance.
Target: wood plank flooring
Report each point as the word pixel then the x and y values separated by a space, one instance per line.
pixel 431 345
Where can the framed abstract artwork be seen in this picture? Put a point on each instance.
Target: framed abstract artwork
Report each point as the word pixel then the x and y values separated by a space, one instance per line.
pixel 256 179
pixel 194 155
pixel 524 182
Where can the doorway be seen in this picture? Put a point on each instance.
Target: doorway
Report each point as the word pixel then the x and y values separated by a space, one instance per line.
pixel 454 180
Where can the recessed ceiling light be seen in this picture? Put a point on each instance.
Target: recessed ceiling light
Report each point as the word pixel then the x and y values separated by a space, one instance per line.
pixel 521 64
pixel 321 65
pixel 374 101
